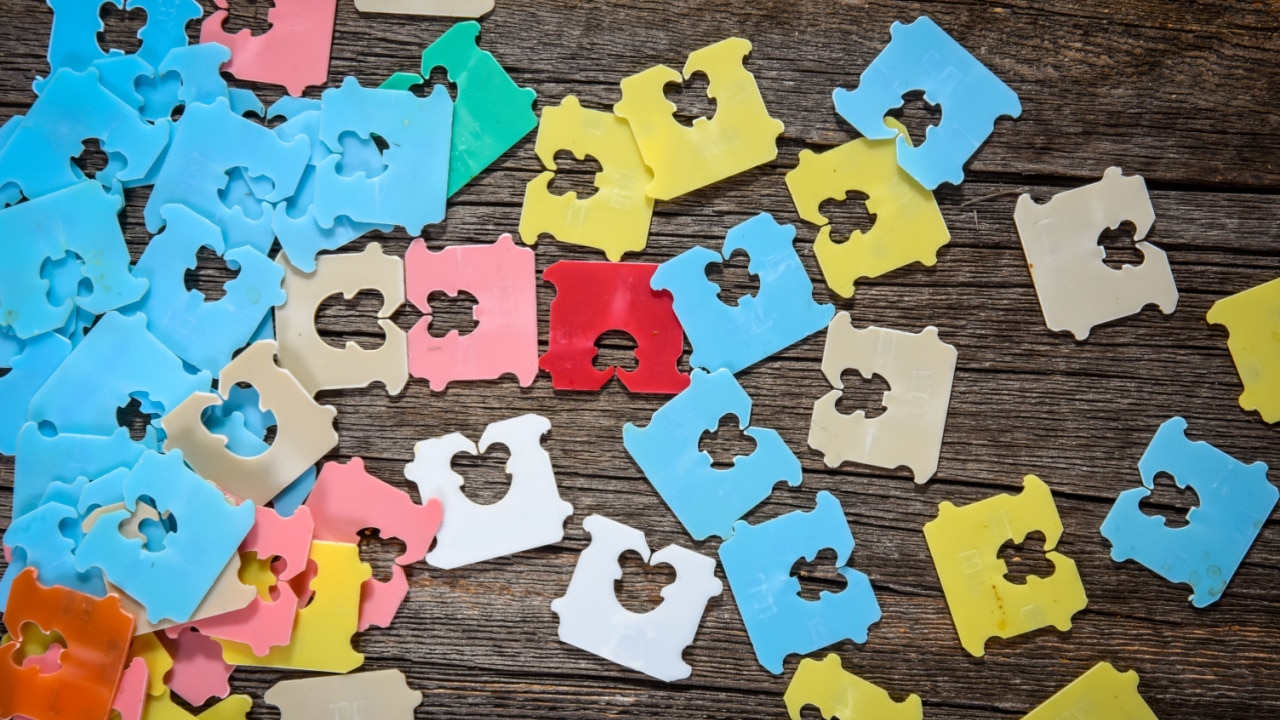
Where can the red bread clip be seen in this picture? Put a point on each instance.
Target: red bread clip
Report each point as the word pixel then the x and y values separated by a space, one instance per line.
pixel 97 634
pixel 293 53
pixel 267 622
pixel 346 500
pixel 595 297
pixel 503 280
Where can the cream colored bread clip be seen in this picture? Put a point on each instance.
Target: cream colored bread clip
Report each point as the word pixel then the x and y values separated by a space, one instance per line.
pixel 591 617
pixel 919 369
pixel 315 363
pixel 304 429
pixel 381 695
pixel 529 516
pixel 440 8
pixel 1077 290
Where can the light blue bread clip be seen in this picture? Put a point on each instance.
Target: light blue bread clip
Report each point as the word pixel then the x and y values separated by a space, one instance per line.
pixel 166 27
pixel 758 561
pixel 246 437
pixel 40 540
pixel 708 500
pixel 1235 501
pixel 169 582
pixel 782 313
pixel 191 75
pixel 81 397
pixel 412 189
pixel 42 464
pixel 81 219
pixel 75 107
pixel 922 56
pixel 28 372
pixel 204 333
pixel 209 142
pixel 300 235
pixel 73 39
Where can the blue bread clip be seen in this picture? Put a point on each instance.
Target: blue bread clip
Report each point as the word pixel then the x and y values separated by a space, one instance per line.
pixel 73 39
pixel 42 463
pixel 922 56
pixel 781 314
pixel 758 561
pixel 1235 501
pixel 708 500
pixel 169 582
pixel 81 398
pixel 203 333
pixel 412 189
pixel 29 372
pixel 81 219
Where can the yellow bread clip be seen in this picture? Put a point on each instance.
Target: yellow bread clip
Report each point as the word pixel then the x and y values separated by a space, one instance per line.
pixel 843 695
pixel 1102 693
pixel 158 661
pixel 616 218
pixel 740 135
pixel 1252 318
pixel 322 631
pixel 908 224
pixel 965 543
pixel 162 707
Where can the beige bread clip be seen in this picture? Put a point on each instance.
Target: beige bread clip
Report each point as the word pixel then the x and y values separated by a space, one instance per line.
pixel 320 366
pixel 919 369
pixel 441 8
pixel 381 695
pixel 304 429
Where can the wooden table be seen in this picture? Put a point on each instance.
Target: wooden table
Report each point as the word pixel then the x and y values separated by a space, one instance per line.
pixel 1183 93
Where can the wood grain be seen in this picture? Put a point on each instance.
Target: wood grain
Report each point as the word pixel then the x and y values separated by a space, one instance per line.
pixel 1183 93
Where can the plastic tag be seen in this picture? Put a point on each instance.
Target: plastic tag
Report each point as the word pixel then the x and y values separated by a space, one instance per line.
pixel 708 500
pixel 591 617
pixel 530 515
pixel 131 694
pixel 740 136
pixel 1102 693
pixel 595 297
pixel 922 56
pixel 781 314
pixel 305 430
pixel 384 695
pixel 919 369
pixel 503 279
pixel 1251 318
pixel 294 52
pixel 1235 502
pixel 316 364
pixel 73 39
pixel 446 8
pixel 826 685
pixel 757 562
pixel 199 673
pixel 908 226
pixel 965 544
pixel 616 217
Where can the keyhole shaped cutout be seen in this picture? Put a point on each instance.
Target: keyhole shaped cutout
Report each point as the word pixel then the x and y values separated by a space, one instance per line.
pixel 574 175
pixel 726 443
pixel 484 477
pixel 153 531
pixel 1118 246
pixel 66 282
pixel 40 649
pixel 210 275
pixel 917 115
pixel 380 553
pixel 865 394
pixel 260 574
pixel 452 313
pixel 1169 501
pixel 92 158
pixel 236 400
pixel 691 99
pixel 362 156
pixel 617 349
pixel 1025 559
pixel 734 277
pixel 847 215
pixel 819 575
pixel 131 417
pixel 250 14
pixel 245 192
pixel 640 587
pixel 120 28
pixel 339 320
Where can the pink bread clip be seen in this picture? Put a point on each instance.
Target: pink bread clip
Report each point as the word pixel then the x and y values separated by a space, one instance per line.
pixel 132 692
pixel 198 672
pixel 293 53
